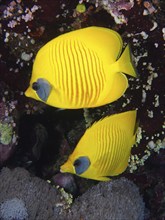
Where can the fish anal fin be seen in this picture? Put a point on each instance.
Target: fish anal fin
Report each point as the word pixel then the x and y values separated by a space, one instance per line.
pixel 121 168
pixel 103 178
pixel 119 86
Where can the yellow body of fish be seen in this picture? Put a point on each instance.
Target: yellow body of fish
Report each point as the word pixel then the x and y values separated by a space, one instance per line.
pixel 81 69
pixel 104 149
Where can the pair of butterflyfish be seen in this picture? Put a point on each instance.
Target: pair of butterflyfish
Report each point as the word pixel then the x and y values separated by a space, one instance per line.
pixel 83 69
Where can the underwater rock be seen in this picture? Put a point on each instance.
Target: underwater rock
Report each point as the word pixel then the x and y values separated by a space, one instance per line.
pixel 13 209
pixel 118 199
pixel 66 181
pixel 40 199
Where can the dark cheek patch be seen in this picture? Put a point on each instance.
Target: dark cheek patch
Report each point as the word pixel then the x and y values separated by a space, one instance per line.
pixel 42 88
pixel 81 165
pixel 35 86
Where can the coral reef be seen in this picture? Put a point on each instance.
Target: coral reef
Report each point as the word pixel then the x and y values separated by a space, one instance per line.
pixel 33 194
pixel 118 199
pixel 26 197
pixel 47 135
pixel 13 209
pixel 114 8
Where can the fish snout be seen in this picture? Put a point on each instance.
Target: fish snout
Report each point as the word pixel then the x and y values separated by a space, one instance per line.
pixel 28 92
pixel 67 168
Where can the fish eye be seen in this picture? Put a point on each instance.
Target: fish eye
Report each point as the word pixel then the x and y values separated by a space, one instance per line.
pixel 35 86
pixel 77 163
pixel 81 165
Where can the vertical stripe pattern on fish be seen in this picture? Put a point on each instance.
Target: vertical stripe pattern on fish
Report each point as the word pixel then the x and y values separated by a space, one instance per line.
pixel 76 73
pixel 104 149
pixel 81 69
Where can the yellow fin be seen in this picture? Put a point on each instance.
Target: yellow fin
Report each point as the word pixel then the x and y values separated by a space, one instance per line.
pixel 122 167
pixel 124 64
pixel 106 42
pixel 119 86
pixel 102 178
pixel 123 118
pixel 129 116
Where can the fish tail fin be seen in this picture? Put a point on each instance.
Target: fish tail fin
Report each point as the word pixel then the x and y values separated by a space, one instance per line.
pixel 125 63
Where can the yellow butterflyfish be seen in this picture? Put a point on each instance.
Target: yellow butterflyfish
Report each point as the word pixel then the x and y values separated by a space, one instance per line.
pixel 104 149
pixel 81 69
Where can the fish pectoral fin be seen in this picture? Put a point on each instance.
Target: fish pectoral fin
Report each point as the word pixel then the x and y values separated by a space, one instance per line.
pixel 119 86
pixel 124 63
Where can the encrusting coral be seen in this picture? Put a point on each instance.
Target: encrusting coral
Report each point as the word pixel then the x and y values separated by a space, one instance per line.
pixel 33 193
pixel 118 199
pixel 13 209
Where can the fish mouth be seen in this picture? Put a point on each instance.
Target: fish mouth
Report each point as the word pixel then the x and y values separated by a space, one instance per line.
pixel 28 92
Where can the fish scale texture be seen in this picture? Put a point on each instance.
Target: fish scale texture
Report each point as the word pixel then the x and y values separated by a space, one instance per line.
pixel 115 200
pixel 30 198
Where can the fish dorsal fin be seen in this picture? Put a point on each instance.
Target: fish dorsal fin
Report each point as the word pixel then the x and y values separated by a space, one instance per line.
pixel 106 42
pixel 127 120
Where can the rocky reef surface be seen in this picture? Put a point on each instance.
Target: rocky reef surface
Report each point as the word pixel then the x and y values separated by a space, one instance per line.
pixel 25 197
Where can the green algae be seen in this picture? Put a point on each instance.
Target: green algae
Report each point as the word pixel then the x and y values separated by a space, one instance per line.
pixel 6 132
pixel 81 8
